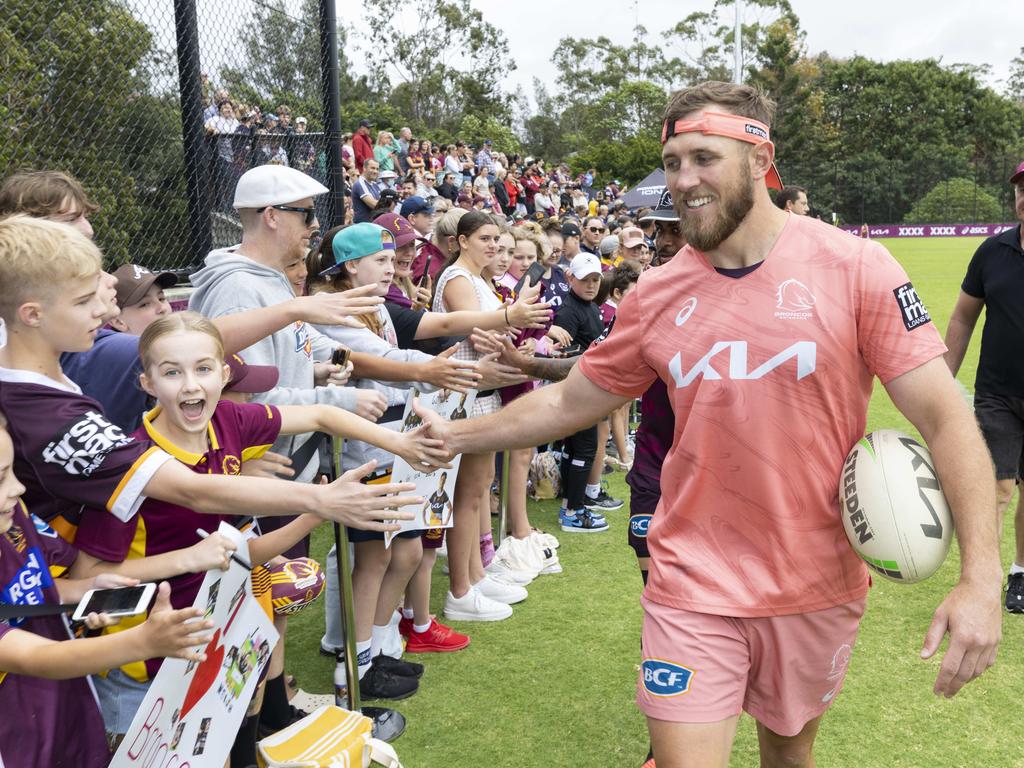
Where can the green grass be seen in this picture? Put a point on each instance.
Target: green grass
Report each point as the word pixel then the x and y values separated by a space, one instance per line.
pixel 554 685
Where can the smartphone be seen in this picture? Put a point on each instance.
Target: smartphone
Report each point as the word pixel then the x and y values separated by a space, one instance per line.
pixel 533 274
pixel 126 601
pixel 340 356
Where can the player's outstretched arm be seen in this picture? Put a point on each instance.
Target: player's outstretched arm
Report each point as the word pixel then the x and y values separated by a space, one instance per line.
pixel 929 398
pixel 164 634
pixel 961 326
pixel 344 501
pixel 545 414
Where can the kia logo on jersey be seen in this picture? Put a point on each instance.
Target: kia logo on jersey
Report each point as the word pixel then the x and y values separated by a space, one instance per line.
pixel 735 364
pixel 665 678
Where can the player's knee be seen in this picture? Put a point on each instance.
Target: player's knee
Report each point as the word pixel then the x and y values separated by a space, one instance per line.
pixel 1004 492
pixel 786 755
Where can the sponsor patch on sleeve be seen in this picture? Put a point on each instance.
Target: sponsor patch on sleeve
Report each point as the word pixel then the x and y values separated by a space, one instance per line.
pixel 911 307
pixel 83 443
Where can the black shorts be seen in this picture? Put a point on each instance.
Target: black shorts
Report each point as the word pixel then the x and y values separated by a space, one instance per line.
pixel 1001 418
pixel 641 509
pixel 357 535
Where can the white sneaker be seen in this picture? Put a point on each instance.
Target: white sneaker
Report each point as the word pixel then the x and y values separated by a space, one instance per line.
pixel 473 606
pixel 500 590
pixel 544 539
pixel 393 645
pixel 501 570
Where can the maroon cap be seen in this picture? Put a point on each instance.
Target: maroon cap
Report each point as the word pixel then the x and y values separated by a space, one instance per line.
pixel 250 378
pixel 133 281
pixel 398 226
pixel 1018 174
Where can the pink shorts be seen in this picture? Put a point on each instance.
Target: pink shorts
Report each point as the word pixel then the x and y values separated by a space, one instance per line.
pixel 782 670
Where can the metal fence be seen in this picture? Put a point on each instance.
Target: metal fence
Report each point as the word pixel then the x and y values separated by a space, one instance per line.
pixel 123 94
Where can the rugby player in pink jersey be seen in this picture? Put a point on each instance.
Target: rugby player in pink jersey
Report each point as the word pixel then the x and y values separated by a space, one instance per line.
pixel 768 330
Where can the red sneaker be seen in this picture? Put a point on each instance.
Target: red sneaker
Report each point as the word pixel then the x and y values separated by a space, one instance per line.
pixel 437 639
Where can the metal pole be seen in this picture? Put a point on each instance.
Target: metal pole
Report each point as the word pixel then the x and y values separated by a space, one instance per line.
pixel 186 26
pixel 332 113
pixel 503 497
pixel 737 47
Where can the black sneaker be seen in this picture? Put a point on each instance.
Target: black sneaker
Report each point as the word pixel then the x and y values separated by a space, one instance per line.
pixel 603 502
pixel 399 667
pixel 1015 593
pixel 266 729
pixel 379 683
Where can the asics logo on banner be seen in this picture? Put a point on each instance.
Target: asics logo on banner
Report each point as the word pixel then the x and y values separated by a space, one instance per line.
pixel 638 525
pixel 794 300
pixel 665 678
pixel 687 309
pixel 804 352
pixel 911 306
pixel 84 444
pixel 974 230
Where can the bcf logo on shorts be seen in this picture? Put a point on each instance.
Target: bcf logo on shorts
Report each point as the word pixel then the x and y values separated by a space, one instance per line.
pixel 638 525
pixel 665 678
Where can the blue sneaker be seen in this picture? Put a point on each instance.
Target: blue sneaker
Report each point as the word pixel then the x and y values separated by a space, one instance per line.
pixel 581 521
pixel 595 514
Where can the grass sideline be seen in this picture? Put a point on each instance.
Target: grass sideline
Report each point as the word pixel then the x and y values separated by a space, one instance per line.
pixel 554 685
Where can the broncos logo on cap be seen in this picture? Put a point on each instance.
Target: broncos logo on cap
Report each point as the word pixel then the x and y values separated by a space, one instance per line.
pixel 666 200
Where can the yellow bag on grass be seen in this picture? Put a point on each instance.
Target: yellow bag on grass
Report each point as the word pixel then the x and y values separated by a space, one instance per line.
pixel 329 737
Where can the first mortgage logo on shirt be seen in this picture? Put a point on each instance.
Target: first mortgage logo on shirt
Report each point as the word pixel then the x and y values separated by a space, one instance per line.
pixel 82 444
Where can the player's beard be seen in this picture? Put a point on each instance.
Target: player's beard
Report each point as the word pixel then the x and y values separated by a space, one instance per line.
pixel 734 203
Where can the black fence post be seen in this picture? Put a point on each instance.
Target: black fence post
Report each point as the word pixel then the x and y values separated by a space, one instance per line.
pixel 186 26
pixel 332 114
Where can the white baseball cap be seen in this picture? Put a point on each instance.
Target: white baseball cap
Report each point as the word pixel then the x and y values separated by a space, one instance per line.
pixel 267 185
pixel 584 264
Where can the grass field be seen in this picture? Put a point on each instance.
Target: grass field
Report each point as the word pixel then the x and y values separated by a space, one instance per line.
pixel 554 685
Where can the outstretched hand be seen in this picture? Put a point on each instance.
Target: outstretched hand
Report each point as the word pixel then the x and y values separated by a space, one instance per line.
pixel 340 308
pixel 528 311
pixel 446 373
pixel 423 452
pixel 358 505
pixel 173 633
pixel 435 427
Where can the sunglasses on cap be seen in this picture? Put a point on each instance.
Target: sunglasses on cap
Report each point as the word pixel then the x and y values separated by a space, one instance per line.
pixel 310 212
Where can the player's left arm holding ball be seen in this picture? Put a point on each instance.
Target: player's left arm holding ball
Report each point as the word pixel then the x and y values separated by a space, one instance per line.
pixel 929 398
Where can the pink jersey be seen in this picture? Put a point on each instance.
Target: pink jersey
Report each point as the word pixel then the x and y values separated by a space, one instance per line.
pixel 769 376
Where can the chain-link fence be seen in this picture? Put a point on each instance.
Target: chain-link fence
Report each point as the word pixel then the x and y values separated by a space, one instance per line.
pixel 158 106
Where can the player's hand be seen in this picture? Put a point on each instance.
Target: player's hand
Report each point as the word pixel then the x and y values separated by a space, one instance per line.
pixel 212 552
pixel 331 375
pixel 270 465
pixel 424 294
pixel 173 634
pixel 528 347
pixel 424 453
pixel 528 311
pixel 971 615
pixel 497 375
pixel 560 336
pixel 366 507
pixel 435 427
pixel 370 404
pixel 446 373
pixel 337 308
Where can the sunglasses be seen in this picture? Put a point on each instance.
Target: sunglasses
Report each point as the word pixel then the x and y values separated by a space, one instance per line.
pixel 595 230
pixel 428 178
pixel 310 212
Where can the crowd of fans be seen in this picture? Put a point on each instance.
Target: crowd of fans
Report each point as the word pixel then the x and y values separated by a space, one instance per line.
pixel 493 280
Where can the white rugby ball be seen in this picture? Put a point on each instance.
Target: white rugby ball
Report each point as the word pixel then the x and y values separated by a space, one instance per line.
pixel 894 512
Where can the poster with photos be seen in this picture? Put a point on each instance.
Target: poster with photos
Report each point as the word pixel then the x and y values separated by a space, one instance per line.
pixel 190 706
pixel 437 487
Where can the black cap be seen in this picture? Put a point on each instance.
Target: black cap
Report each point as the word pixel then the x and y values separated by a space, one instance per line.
pixel 570 229
pixel 365 124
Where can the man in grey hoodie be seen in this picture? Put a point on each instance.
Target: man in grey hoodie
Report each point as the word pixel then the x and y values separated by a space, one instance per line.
pixel 275 204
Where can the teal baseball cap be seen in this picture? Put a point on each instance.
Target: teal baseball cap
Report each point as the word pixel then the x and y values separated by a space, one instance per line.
pixel 358 241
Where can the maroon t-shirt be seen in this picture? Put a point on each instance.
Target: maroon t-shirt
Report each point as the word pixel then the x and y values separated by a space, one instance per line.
pixel 69 455
pixel 236 433
pixel 44 722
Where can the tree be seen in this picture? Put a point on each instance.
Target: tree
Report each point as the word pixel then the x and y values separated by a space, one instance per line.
pixel 957 201
pixel 76 80
pixel 449 66
pixel 1015 83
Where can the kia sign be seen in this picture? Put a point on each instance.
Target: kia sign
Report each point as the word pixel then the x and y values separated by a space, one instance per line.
pixel 932 230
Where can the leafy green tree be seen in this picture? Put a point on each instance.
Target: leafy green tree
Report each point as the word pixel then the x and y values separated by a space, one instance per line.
pixel 448 66
pixel 956 201
pixel 1015 83
pixel 77 85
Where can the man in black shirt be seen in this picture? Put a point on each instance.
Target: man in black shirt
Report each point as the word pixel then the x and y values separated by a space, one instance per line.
pixel 995 279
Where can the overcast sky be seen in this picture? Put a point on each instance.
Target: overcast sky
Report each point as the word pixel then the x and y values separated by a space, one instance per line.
pixel 988 32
